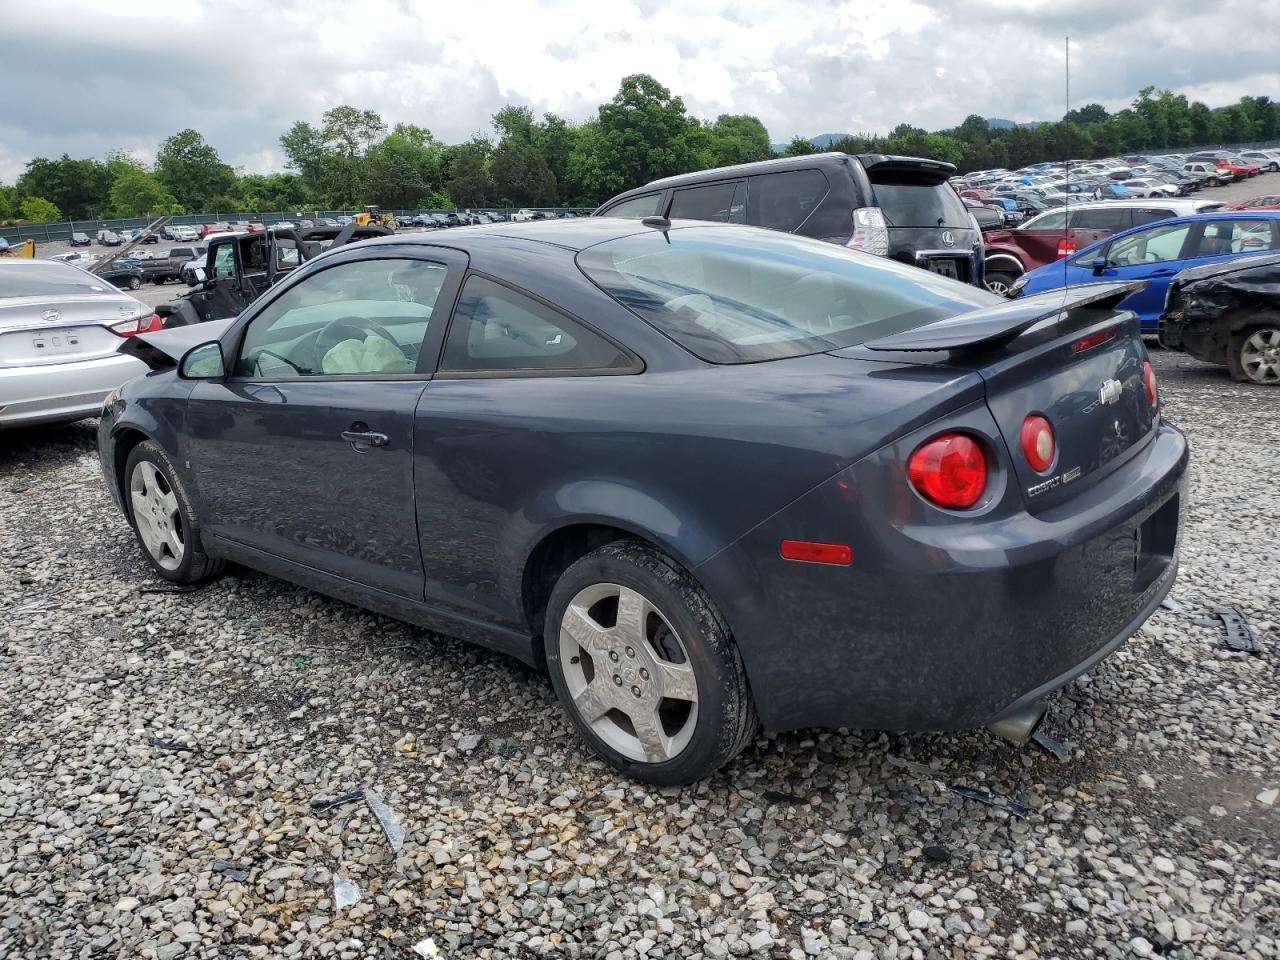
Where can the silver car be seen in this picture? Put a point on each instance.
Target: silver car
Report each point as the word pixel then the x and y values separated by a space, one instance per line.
pixel 59 330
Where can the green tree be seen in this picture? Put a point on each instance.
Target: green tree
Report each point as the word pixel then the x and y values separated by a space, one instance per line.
pixel 555 140
pixel 799 146
pixel 78 188
pixel 39 210
pixel 521 175
pixel 1201 119
pixel 191 170
pixel 739 138
pixel 643 131
pixel 8 202
pixel 469 182
pixel 1089 114
pixel 137 193
pixel 402 169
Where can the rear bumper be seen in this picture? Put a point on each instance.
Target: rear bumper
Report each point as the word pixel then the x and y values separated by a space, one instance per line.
pixel 64 391
pixel 953 625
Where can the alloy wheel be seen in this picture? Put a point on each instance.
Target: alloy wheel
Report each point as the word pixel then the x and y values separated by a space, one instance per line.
pixel 1260 356
pixel 156 515
pixel 998 286
pixel 628 673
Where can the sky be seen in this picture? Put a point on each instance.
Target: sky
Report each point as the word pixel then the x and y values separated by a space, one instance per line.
pixel 85 77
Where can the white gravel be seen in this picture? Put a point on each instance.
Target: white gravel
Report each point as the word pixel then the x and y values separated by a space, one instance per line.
pixel 160 754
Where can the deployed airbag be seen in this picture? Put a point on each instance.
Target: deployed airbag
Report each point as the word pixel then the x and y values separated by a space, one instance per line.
pixel 374 354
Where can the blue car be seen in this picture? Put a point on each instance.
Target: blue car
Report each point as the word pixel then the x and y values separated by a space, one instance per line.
pixel 1155 252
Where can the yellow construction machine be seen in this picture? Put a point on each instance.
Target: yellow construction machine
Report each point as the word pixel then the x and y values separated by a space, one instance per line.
pixel 374 215
pixel 24 248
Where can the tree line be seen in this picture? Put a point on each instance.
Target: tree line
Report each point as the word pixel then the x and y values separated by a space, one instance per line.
pixel 351 158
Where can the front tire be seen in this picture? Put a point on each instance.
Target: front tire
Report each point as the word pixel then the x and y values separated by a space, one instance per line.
pixel 645 667
pixel 1000 282
pixel 134 283
pixel 1254 353
pixel 164 519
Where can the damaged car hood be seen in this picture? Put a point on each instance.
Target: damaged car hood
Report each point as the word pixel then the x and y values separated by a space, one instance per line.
pixel 166 347
pixel 1216 288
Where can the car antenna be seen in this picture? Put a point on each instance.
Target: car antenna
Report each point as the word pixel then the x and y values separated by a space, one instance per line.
pixel 1066 103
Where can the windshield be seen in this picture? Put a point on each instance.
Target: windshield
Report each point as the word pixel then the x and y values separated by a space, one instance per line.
pixel 49 279
pixel 739 295
pixel 915 204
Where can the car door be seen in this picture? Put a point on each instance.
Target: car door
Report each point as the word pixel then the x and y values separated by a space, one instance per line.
pixel 512 364
pixel 1153 254
pixel 305 451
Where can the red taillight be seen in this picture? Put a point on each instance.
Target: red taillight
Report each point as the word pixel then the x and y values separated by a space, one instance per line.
pixel 811 551
pixel 1093 340
pixel 1037 442
pixel 1066 247
pixel 949 470
pixel 1149 379
pixel 129 328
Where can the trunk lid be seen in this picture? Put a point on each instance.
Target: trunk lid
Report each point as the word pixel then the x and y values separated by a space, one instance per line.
pixel 1067 356
pixel 39 330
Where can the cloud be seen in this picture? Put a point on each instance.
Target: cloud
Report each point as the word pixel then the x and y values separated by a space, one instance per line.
pixel 83 77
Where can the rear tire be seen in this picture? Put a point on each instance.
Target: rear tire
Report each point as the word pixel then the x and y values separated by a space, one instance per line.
pixel 1253 355
pixel 134 283
pixel 164 519
pixel 645 667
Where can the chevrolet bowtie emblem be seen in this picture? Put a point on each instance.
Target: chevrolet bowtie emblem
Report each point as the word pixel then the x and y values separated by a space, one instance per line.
pixel 1110 391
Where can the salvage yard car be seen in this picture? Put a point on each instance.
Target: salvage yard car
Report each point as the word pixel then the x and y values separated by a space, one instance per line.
pixel 59 329
pixel 897 207
pixel 1228 313
pixel 709 476
pixel 1155 252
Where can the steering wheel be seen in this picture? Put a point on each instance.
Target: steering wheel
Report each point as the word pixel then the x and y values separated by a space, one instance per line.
pixel 346 328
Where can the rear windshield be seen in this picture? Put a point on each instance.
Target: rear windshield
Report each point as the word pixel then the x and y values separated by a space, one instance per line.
pixel 49 279
pixel 909 203
pixel 741 295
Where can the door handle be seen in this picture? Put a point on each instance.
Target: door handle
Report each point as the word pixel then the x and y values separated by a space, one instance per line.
pixel 361 437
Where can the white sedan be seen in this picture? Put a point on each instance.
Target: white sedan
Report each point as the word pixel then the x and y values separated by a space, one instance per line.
pixel 59 330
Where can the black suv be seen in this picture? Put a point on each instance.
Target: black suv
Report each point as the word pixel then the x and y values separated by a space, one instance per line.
pixel 900 207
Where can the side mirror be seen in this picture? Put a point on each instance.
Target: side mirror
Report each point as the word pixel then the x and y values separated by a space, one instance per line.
pixel 203 362
pixel 201 276
pixel 1099 264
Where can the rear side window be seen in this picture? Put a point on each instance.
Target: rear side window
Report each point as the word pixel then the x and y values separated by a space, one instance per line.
pixel 1053 220
pixel 783 201
pixel 714 201
pixel 1145 215
pixel 908 202
pixel 497 329
pixel 1222 237
pixel 732 296
pixel 636 208
pixel 1114 219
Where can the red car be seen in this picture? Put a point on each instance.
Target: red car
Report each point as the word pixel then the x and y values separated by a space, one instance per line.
pixel 1239 169
pixel 209 228
pixel 1268 202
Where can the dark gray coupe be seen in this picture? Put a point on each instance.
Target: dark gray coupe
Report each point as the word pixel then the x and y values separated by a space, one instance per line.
pixel 709 476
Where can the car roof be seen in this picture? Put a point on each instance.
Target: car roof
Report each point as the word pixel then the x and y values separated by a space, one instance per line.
pixel 576 233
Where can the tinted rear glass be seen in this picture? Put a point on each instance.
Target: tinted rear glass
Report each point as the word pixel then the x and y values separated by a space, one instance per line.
pixel 733 295
pixel 711 202
pixel 908 203
pixel 49 280
pixel 783 201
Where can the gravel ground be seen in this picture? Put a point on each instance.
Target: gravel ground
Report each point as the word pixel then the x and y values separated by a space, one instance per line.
pixel 163 754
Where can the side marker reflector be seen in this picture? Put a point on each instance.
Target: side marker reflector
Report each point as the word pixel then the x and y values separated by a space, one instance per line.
pixel 812 552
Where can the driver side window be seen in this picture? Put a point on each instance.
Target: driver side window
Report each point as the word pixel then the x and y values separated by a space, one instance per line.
pixel 365 318
pixel 1149 246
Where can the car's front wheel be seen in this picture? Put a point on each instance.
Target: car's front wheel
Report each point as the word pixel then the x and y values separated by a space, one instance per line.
pixel 645 666
pixel 134 283
pixel 1254 355
pixel 164 519
pixel 1001 283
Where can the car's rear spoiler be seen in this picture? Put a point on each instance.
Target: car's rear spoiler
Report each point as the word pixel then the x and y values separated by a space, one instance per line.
pixel 165 348
pixel 992 326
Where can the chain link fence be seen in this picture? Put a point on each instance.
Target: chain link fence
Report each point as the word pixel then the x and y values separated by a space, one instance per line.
pixel 62 230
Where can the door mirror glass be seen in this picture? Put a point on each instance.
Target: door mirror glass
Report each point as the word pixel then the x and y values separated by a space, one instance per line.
pixel 201 276
pixel 203 362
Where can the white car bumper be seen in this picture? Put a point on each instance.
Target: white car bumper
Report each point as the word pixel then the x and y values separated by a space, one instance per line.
pixel 62 392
